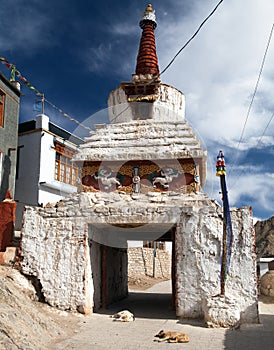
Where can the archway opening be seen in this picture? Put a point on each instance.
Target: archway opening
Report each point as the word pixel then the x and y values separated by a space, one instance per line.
pixel 112 265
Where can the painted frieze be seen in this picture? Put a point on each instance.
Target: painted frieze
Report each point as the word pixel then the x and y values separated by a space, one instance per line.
pixel 141 176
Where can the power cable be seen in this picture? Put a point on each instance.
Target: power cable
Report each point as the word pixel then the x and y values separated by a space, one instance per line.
pixel 192 37
pixel 16 72
pixel 254 93
pixel 181 49
pixel 267 125
pixel 258 142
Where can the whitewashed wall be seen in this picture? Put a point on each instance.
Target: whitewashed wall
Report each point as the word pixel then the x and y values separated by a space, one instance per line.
pixel 169 105
pixel 55 250
pixel 198 247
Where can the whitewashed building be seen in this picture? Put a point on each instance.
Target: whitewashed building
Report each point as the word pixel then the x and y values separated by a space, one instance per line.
pixel 45 172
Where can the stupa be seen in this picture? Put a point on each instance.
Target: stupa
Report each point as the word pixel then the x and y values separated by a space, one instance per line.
pixel 142 179
pixel 148 145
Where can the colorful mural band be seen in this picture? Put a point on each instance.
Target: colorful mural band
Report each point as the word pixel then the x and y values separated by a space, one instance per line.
pixel 140 178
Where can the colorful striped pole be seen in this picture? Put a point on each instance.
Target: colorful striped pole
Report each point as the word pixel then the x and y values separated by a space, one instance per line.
pixel 227 225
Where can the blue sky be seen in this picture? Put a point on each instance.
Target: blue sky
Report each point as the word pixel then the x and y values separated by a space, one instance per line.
pixel 76 52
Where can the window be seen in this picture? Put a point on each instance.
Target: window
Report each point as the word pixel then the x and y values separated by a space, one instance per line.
pixel 2 107
pixel 18 161
pixel 65 170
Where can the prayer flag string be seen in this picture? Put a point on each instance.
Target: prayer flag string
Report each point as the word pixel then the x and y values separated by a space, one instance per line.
pixel 16 73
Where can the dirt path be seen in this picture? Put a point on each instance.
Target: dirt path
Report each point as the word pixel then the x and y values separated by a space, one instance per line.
pixel 26 324
pixel 153 311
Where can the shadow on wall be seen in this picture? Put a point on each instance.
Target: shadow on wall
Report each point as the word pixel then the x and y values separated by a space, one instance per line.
pixel 5 178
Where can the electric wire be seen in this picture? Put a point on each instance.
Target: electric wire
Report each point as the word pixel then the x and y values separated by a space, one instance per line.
pixel 258 142
pixel 16 72
pixel 181 49
pixel 192 37
pixel 253 95
pixel 267 125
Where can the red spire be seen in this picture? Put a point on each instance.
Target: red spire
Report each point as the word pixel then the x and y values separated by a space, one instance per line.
pixel 147 61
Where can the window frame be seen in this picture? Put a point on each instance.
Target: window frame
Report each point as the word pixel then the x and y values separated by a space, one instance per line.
pixel 65 171
pixel 2 107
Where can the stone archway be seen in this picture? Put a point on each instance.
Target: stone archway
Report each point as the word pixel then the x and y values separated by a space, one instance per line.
pixel 55 247
pixel 109 258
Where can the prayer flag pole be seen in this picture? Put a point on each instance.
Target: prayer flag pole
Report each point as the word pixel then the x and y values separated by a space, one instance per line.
pixel 227 226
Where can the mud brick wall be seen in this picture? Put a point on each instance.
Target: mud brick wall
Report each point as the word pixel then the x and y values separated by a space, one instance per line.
pixel 7 219
pixel 140 262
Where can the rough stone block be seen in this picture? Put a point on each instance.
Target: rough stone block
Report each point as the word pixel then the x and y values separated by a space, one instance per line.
pixel 221 311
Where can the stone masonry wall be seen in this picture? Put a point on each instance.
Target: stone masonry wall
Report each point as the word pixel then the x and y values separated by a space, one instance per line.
pixel 198 251
pixel 55 248
pixel 140 262
pixel 55 251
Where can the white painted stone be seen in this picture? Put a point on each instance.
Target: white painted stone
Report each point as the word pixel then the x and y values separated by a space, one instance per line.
pixel 222 311
pixel 55 248
pixel 169 106
pixel 139 140
pixel 198 239
pixel 42 122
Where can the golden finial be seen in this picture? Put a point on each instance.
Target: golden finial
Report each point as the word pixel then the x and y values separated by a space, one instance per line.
pixel 148 16
pixel 149 8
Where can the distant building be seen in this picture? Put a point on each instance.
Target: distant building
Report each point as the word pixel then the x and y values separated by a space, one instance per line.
pixel 9 111
pixel 266 264
pixel 45 172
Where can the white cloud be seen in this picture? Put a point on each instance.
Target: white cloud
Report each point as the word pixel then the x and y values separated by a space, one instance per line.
pixel 25 26
pixel 257 142
pixel 123 29
pixel 98 57
pixel 220 67
pixel 255 187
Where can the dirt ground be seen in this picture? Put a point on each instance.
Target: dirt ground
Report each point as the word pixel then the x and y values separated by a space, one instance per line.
pixel 153 311
pixel 141 282
pixel 27 324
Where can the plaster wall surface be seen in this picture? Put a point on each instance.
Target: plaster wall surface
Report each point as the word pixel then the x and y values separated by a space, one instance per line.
pixel 52 192
pixel 55 248
pixel 28 163
pixel 168 105
pixel 141 139
pixel 198 252
pixel 28 168
pixel 47 158
pixel 57 257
